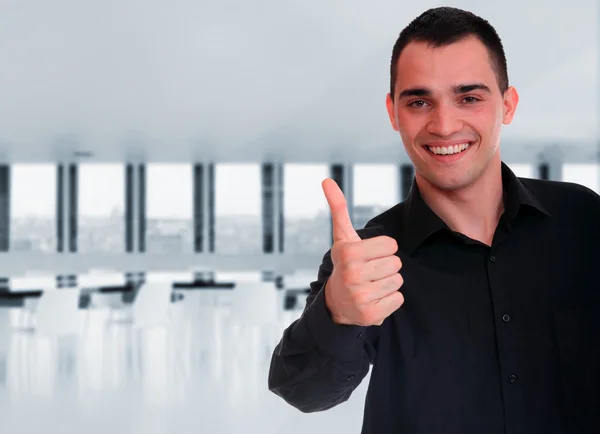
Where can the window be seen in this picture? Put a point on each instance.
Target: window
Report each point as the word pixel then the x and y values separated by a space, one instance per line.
pixel 33 208
pixel 238 209
pixel 376 188
pixel 101 203
pixel 169 208
pixel 584 174
pixel 307 218
pixel 523 170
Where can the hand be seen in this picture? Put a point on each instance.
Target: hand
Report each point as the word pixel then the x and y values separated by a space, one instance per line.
pixel 363 286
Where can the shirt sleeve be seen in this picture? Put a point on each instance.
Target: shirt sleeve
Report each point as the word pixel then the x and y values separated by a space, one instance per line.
pixel 318 364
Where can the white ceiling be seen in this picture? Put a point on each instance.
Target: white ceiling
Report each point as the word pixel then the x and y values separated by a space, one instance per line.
pixel 239 80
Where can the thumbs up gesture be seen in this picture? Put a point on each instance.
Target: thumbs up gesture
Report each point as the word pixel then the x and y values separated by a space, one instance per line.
pixel 363 286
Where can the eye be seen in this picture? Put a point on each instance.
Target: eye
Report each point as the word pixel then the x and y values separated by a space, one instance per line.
pixel 417 104
pixel 470 99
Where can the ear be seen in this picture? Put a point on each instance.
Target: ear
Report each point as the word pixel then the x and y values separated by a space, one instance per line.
pixel 391 112
pixel 511 100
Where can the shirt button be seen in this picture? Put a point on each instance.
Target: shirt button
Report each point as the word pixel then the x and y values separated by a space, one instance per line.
pixel 506 317
pixel 361 334
pixel 512 378
pixel 492 259
pixel 350 378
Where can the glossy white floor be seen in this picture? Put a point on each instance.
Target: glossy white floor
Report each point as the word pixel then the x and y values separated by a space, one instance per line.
pixel 204 371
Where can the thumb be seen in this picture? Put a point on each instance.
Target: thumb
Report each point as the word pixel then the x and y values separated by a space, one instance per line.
pixel 342 225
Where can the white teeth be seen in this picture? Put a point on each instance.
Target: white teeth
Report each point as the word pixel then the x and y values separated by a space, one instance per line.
pixel 443 150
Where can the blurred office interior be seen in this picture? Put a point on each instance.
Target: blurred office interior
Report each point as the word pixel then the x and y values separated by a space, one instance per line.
pixel 161 211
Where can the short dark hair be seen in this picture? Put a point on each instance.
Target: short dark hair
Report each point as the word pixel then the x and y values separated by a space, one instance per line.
pixel 445 25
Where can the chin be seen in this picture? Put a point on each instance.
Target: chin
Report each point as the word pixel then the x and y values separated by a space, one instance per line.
pixel 448 182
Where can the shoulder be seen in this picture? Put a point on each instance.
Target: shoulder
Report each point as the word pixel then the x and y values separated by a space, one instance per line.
pixel 544 189
pixel 560 197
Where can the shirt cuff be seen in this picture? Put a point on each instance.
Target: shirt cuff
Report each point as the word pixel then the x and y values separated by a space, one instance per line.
pixel 340 341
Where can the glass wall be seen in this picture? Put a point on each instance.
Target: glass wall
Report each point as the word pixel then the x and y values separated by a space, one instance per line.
pixel 101 204
pixel 238 208
pixel 307 218
pixel 376 188
pixel 584 174
pixel 169 208
pixel 523 170
pixel 33 208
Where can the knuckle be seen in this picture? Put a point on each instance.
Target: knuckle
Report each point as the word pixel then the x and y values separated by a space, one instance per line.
pixel 347 278
pixel 393 283
pixel 397 262
pixel 392 264
pixel 397 302
pixel 390 283
pixel 359 299
pixel 399 280
pixel 346 253
pixel 400 298
pixel 392 243
pixel 353 275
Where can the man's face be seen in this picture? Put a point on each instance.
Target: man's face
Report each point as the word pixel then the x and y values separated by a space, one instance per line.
pixel 446 100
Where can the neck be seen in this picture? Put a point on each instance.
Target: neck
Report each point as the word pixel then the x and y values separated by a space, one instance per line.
pixel 473 211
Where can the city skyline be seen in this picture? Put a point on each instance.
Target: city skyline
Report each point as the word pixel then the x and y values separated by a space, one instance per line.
pixel 170 195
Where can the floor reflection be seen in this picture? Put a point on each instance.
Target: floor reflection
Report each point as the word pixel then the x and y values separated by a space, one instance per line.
pixel 205 371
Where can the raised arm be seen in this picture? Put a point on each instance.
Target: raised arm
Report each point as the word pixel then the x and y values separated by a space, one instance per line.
pixel 325 354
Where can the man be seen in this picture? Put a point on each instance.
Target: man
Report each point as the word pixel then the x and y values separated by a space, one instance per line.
pixel 476 300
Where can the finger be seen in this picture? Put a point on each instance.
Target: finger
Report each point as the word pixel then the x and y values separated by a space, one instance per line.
pixel 342 225
pixel 380 268
pixel 384 287
pixel 372 292
pixel 376 247
pixel 390 303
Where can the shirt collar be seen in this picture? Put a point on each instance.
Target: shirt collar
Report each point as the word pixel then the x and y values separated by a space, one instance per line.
pixel 420 222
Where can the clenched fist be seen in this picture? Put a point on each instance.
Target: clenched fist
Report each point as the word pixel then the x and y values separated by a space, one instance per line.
pixel 363 286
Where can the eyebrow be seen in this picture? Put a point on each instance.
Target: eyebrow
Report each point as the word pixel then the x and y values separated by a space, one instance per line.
pixel 457 89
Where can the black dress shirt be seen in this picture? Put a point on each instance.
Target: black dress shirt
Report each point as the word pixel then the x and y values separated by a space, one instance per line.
pixel 490 339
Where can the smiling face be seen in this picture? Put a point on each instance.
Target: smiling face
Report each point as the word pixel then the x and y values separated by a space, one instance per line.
pixel 449 111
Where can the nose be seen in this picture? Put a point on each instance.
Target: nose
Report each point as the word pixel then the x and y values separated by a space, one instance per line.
pixel 444 120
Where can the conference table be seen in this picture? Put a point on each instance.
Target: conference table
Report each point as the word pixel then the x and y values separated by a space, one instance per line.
pixel 15 291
